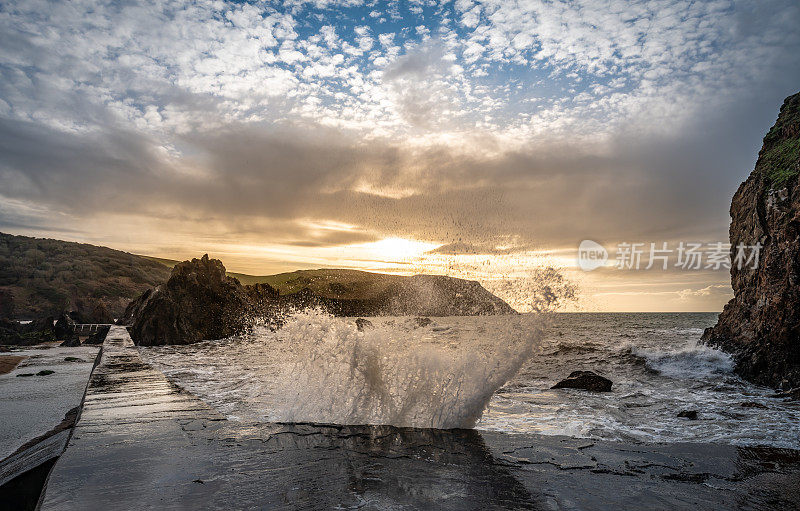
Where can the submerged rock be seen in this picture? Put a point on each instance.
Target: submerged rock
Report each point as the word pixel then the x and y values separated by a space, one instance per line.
pixel 198 302
pixel 752 404
pixel 688 414
pixel 585 380
pixel 362 324
pixel 422 322
pixel 43 372
pixel 760 326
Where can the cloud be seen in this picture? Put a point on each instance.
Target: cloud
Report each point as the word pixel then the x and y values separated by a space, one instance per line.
pixel 544 123
pixel 548 195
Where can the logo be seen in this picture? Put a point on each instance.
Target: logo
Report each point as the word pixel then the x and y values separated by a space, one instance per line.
pixel 591 255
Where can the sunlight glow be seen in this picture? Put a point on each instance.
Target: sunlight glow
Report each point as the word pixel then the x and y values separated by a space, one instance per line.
pixel 392 249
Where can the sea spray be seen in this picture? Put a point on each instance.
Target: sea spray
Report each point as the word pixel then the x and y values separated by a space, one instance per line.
pixel 401 372
pixel 397 372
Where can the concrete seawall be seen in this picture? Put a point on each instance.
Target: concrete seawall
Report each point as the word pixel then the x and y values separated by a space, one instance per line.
pixel 142 443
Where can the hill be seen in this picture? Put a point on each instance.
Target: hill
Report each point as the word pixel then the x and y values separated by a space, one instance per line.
pixel 356 292
pixel 40 277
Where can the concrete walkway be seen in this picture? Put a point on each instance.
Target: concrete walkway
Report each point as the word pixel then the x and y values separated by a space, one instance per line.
pixel 141 443
pixel 131 437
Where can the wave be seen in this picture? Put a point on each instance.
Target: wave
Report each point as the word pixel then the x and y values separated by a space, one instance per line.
pixel 694 360
pixel 397 373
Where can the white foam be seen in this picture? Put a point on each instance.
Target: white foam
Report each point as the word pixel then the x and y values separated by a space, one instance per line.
pixel 689 362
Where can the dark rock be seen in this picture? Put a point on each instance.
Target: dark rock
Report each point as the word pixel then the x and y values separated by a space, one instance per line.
pixel 363 324
pixel 688 414
pixel 44 372
pixel 198 302
pixel 71 342
pixel 751 404
pixel 422 322
pixel 760 326
pixel 91 310
pixel 585 380
pixel 17 334
pixel 98 336
pixel 9 333
pixel 73 359
pixel 793 395
pixel 44 325
pixel 263 295
pixel 64 328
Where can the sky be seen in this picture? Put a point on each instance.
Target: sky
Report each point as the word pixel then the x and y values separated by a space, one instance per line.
pixel 481 139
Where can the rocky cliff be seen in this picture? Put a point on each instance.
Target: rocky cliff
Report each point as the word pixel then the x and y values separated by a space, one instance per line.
pixel 760 326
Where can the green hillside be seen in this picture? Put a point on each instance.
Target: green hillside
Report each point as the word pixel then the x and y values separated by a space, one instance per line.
pixel 334 283
pixel 41 277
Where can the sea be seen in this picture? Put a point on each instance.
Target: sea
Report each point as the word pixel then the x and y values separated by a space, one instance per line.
pixel 488 373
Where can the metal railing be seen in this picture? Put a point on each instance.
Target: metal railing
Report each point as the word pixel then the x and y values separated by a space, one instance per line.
pixel 81 328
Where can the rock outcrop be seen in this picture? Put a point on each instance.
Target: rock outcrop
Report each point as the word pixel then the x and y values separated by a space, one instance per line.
pixel 585 380
pixel 760 326
pixel 198 302
pixel 35 332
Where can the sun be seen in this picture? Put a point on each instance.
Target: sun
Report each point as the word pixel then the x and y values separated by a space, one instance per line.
pixel 390 249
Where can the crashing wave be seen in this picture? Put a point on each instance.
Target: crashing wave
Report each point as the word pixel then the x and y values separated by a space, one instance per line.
pixel 395 373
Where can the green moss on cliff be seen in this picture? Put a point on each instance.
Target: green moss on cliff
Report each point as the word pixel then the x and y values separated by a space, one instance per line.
pixel 782 161
pixel 779 160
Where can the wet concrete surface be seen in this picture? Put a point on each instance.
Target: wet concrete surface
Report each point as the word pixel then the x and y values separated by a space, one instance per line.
pixel 143 443
pixel 33 407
